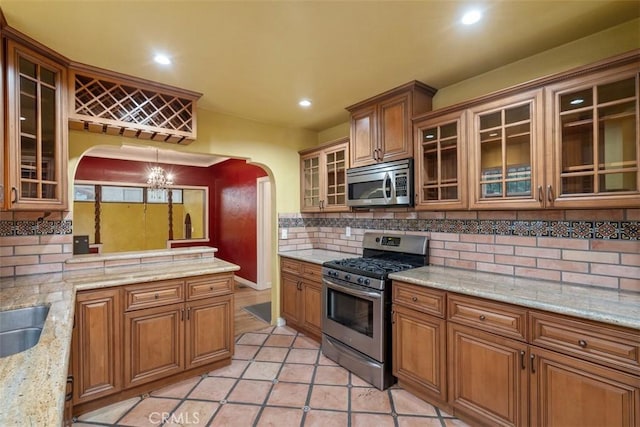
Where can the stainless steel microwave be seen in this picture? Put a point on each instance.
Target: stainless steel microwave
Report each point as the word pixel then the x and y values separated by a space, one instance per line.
pixel 382 184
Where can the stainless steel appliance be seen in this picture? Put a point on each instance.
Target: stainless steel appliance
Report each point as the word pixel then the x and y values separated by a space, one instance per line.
pixel 356 304
pixel 382 184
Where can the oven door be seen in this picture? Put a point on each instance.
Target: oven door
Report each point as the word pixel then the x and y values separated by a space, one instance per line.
pixel 354 315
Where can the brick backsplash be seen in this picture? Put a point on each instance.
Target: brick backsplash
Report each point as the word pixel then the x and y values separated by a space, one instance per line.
pixel 589 247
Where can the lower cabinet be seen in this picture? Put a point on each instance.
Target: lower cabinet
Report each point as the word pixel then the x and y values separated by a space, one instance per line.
pixel 97 345
pixel 301 296
pixel 126 338
pixel 507 365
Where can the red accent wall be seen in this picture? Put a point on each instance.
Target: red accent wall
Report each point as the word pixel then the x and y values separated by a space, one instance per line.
pixel 234 214
pixel 232 201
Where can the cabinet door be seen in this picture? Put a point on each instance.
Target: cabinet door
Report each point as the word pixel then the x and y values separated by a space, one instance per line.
pixel 312 307
pixel 310 186
pixel 394 135
pixel 290 300
pixel 153 343
pixel 97 345
pixel 507 152
pixel 335 164
pixel 419 351
pixel 209 330
pixel 595 140
pixel 364 146
pixel 488 378
pixel 566 391
pixel 37 131
pixel 441 166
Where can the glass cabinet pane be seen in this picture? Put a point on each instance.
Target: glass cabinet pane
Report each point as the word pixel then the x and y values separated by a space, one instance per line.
pixel 311 168
pixel 599 141
pixel 440 162
pixel 505 152
pixel 336 178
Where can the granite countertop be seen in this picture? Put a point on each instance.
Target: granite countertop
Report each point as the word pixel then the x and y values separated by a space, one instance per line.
pixel 604 305
pixel 33 382
pixel 316 256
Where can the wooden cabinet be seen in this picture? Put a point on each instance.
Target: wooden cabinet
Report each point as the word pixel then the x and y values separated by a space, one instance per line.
pixel 419 341
pixel 36 134
pixel 129 340
pixel 506 153
pixel 594 145
pixel 153 343
pixel 566 391
pixel 441 161
pixel 507 365
pixel 323 184
pixel 381 128
pixel 301 296
pixel 97 345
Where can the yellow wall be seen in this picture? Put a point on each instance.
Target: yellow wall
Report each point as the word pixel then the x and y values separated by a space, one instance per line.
pixel 193 201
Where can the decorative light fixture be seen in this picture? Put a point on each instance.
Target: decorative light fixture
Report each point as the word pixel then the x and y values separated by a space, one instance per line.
pixel 158 179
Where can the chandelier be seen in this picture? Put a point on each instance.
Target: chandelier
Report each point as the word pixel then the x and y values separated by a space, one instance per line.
pixel 158 179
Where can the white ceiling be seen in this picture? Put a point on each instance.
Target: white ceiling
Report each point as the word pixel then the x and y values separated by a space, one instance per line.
pixel 257 59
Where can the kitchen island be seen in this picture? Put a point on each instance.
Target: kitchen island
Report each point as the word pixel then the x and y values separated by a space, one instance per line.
pixel 34 381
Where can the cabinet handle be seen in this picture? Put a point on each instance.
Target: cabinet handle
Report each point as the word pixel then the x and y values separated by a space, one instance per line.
pixel 210 288
pixel 156 296
pixel 582 343
pixel 414 299
pixel 549 193
pixel 533 364
pixel 393 317
pixel 14 195
pixel 482 317
pixel 188 313
pixel 182 315
pixel 522 360
pixel 540 197
pixel 69 396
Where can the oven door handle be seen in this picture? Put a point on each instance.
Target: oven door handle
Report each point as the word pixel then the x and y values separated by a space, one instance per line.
pixel 352 291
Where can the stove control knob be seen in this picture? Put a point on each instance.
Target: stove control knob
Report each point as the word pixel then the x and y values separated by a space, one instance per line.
pixel 360 280
pixel 347 277
pixel 367 281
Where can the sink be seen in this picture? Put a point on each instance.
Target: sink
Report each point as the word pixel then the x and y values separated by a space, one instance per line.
pixel 20 328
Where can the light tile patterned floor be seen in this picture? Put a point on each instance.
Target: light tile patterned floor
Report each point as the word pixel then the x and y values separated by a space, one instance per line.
pixel 277 378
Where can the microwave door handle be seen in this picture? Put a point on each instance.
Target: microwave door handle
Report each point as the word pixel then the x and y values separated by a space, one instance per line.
pixel 384 187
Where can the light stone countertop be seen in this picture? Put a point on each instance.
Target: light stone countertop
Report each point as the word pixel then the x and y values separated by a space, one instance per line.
pixel 33 382
pixel 316 256
pixel 600 304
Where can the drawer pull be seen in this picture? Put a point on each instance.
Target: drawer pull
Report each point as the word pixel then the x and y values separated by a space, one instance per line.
pixel 582 343
pixel 210 288
pixel 482 317
pixel 156 296
pixel 414 299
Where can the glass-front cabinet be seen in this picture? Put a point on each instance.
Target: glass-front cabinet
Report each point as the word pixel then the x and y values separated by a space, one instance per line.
pixel 507 149
pixel 595 142
pixel 440 161
pixel 323 184
pixel 37 131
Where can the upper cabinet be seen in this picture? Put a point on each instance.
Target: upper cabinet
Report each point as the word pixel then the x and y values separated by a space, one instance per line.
pixel 506 152
pixel 381 127
pixel 593 140
pixel 36 131
pixel 323 177
pixel 441 161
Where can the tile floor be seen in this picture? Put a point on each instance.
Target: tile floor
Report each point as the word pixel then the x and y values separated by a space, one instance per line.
pixel 277 378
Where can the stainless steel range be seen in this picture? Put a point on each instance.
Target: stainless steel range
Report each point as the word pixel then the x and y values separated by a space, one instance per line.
pixel 356 304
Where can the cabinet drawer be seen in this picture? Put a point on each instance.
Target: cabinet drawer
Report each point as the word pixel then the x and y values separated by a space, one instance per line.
pixel 311 271
pixel 502 319
pixel 153 294
pixel 427 300
pixel 608 345
pixel 288 265
pixel 208 286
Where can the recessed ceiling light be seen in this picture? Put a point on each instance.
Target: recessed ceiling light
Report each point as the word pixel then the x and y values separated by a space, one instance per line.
pixel 304 103
pixel 576 101
pixel 471 17
pixel 162 59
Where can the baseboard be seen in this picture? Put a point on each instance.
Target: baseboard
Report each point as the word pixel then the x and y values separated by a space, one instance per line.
pixel 249 283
